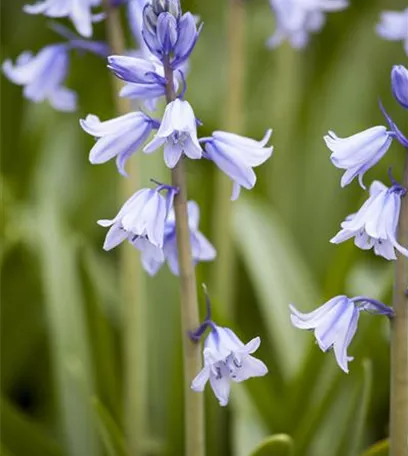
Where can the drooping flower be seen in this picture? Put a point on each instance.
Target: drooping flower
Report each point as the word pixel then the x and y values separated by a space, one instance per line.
pixel 359 152
pixel 135 19
pixel 399 83
pixel 120 137
pixel 201 248
pixel 168 34
pixel 79 11
pixel 43 76
pixel 227 359
pixel 335 323
pixel 375 224
pixel 178 133
pixel 236 156
pixel 141 220
pixel 393 26
pixel 296 19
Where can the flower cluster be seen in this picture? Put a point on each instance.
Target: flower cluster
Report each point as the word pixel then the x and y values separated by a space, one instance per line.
pixel 43 75
pixel 296 19
pixel 373 226
pixel 148 219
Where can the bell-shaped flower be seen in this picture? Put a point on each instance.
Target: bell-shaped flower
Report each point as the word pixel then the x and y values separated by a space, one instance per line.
pixel 236 156
pixel 169 35
pixel 120 137
pixel 375 224
pixel 178 133
pixel 335 323
pixel 79 11
pixel 43 76
pixel 296 19
pixel 135 21
pixel 399 83
pixel 393 26
pixel 201 248
pixel 141 220
pixel 227 359
pixel 359 152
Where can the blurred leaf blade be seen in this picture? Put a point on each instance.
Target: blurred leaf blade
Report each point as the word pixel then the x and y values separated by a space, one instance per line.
pixel 276 445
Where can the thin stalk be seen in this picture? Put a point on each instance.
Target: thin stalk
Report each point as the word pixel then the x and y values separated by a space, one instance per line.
pixel 223 276
pixel 399 341
pixel 132 282
pixel 193 402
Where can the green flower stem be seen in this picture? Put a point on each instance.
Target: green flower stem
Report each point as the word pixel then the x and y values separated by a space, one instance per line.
pixel 132 282
pixel 399 341
pixel 223 276
pixel 193 402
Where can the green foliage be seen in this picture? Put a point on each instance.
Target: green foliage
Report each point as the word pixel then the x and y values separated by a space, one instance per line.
pixel 62 321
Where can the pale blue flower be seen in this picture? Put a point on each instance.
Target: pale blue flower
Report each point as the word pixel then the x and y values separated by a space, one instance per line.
pixel 178 134
pixel 135 20
pixel 393 26
pixel 358 153
pixel 296 19
pixel 236 156
pixel 120 137
pixel 201 248
pixel 168 34
pixel 375 224
pixel 227 359
pixel 141 220
pixel 335 323
pixel 43 76
pixel 79 11
pixel 399 84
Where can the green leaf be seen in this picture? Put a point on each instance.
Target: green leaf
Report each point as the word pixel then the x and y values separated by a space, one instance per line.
pixel 22 436
pixel 111 436
pixel 276 445
pixel 279 275
pixel 381 448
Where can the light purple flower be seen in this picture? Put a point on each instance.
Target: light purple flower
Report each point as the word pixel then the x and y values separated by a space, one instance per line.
pixel 79 11
pixel 201 248
pixel 399 83
pixel 375 224
pixel 227 359
pixel 178 134
pixel 135 20
pixel 358 153
pixel 335 323
pixel 141 220
pixel 43 75
pixel 236 156
pixel 120 137
pixel 168 34
pixel 393 26
pixel 296 19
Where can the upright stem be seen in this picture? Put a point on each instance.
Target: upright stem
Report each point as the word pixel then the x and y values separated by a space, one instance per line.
pixel 132 282
pixel 399 341
pixel 223 276
pixel 193 402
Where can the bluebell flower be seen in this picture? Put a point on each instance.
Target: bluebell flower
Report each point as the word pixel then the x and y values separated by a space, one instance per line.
pixel 201 248
pixel 144 78
pixel 358 153
pixel 141 220
pixel 79 11
pixel 375 224
pixel 227 359
pixel 236 156
pixel 335 323
pixel 393 26
pixel 397 133
pixel 178 133
pixel 296 19
pixel 120 137
pixel 399 83
pixel 135 20
pixel 168 34
pixel 43 76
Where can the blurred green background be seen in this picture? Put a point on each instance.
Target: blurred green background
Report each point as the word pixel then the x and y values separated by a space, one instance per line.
pixel 62 319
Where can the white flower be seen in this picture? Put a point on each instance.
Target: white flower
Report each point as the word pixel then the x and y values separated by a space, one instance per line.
pixel 393 26
pixel 227 359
